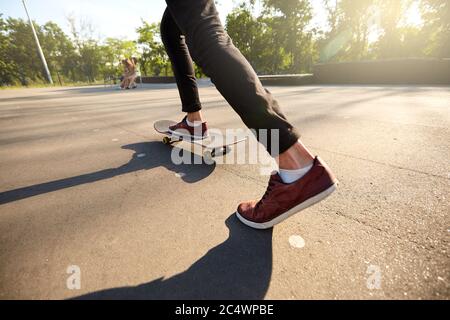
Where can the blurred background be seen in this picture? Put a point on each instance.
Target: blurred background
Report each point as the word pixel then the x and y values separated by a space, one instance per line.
pixel 83 41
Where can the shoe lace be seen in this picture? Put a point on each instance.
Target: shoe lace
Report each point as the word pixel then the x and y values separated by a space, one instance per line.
pixel 267 193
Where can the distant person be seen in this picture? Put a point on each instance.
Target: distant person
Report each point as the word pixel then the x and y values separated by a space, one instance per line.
pixel 123 81
pixel 134 61
pixel 193 28
pixel 129 74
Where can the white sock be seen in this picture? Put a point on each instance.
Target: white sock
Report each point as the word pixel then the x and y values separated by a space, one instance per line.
pixel 290 176
pixel 193 124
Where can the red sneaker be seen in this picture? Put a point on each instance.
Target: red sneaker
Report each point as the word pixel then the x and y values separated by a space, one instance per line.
pixel 182 129
pixel 284 200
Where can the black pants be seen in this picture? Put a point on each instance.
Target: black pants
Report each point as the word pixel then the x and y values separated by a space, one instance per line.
pixel 192 28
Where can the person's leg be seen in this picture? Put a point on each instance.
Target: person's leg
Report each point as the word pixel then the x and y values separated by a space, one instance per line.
pixel 124 83
pixel 235 78
pixel 183 67
pixel 212 49
pixel 127 83
pixel 309 179
pixel 132 80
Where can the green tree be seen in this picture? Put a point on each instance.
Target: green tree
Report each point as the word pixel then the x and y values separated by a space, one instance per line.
pixel 277 40
pixel 89 57
pixel 436 14
pixel 8 74
pixel 397 40
pixel 255 39
pixel 22 52
pixel 112 52
pixel 154 59
pixel 359 17
pixel 290 19
pixel 59 52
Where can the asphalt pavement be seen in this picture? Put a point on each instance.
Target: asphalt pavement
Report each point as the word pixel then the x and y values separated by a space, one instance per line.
pixel 92 205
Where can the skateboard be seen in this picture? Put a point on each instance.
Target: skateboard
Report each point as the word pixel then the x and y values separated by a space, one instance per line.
pixel 215 145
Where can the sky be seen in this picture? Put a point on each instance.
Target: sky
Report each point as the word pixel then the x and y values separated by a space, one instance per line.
pixel 107 16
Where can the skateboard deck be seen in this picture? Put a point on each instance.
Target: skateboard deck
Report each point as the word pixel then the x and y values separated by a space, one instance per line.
pixel 216 144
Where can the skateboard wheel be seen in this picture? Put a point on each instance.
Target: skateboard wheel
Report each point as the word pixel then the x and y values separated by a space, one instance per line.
pixel 166 140
pixel 208 156
pixel 221 151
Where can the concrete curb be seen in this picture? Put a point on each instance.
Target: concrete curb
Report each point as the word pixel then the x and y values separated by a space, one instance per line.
pixel 156 79
pixel 287 80
pixel 385 72
pixel 382 72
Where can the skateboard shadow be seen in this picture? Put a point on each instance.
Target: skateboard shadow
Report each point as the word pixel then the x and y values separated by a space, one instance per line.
pixel 156 155
pixel 239 268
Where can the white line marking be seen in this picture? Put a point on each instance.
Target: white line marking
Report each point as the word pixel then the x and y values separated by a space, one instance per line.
pixel 180 174
pixel 296 241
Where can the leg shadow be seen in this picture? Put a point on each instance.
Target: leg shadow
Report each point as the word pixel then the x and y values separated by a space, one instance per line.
pixel 239 268
pixel 157 155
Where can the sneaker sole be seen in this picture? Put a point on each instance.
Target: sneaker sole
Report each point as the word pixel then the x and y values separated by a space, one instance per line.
pixel 181 135
pixel 302 206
